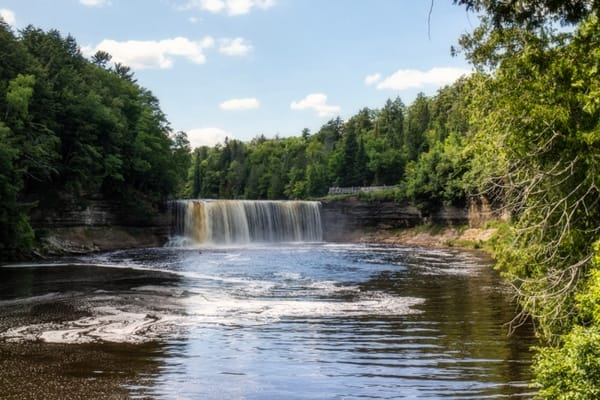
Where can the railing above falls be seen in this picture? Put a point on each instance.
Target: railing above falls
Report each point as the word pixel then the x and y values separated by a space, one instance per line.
pixel 247 221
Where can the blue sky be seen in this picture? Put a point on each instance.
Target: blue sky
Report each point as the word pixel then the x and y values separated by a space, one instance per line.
pixel 241 68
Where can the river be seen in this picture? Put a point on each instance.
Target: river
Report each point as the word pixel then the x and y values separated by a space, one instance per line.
pixel 284 321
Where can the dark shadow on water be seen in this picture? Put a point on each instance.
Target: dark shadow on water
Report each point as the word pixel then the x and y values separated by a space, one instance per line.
pixel 21 282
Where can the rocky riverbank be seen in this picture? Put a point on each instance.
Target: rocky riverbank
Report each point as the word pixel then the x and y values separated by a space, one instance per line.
pixel 100 225
pixel 385 221
pixel 89 239
pixel 96 225
pixel 429 236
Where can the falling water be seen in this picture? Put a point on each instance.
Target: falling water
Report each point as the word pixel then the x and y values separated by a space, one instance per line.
pixel 247 221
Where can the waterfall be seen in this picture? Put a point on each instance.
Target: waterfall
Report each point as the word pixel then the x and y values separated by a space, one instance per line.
pixel 247 221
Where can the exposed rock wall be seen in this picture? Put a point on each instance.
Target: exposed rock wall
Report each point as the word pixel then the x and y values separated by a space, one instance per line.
pixel 342 219
pixel 96 225
pixel 480 211
pixel 348 218
pixel 71 214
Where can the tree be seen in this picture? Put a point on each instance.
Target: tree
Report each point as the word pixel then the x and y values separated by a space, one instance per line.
pixel 532 14
pixel 537 119
pixel 347 169
pixel 436 178
pixel 572 371
pixel 548 174
pixel 18 96
pixel 124 72
pixel 16 235
pixel 182 158
pixel 195 175
pixel 330 134
pixel 317 183
pixel 390 123
pixel 101 58
pixel 417 122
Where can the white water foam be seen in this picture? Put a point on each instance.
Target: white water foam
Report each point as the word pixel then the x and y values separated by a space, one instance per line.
pixel 222 288
pixel 227 310
pixel 134 324
pixel 109 324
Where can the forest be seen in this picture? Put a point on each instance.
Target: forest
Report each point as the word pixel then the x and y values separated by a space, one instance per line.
pixel 73 128
pixel 416 149
pixel 523 131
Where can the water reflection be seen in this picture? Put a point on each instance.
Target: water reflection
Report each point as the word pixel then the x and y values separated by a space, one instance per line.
pixel 297 321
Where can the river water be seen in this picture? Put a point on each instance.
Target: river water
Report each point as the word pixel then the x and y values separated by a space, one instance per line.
pixel 292 321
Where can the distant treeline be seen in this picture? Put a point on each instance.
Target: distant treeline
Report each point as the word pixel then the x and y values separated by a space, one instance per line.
pixel 421 147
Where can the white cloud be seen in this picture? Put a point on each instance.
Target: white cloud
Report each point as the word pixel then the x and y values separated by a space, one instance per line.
pixel 411 78
pixel 230 7
pixel 234 47
pixel 8 16
pixel 207 136
pixel 239 104
pixel 139 54
pixel 371 79
pixel 213 6
pixel 316 102
pixel 95 3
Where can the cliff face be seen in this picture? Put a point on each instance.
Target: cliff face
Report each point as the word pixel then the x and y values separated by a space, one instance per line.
pixel 96 225
pixel 344 218
pixel 348 218
pixel 99 225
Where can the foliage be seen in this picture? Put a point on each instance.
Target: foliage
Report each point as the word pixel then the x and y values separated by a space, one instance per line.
pixel 544 119
pixel 436 178
pixel 532 13
pixel 572 371
pixel 16 235
pixel 370 148
pixel 389 194
pixel 77 129
pixel 535 119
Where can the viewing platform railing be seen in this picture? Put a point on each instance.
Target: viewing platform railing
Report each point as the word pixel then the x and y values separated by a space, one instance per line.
pixel 356 189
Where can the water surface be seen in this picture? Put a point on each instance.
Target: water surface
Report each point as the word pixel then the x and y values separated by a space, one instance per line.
pixel 293 321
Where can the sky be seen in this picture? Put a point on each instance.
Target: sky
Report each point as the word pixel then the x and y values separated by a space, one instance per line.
pixel 242 68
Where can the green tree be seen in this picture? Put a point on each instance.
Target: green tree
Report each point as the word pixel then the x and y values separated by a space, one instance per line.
pixel 347 172
pixel 330 134
pixel 182 159
pixel 537 122
pixel 437 177
pixel 101 59
pixel 196 173
pixel 548 171
pixel 390 123
pixel 18 96
pixel 532 14
pixel 317 183
pixel 16 235
pixel 417 123
pixel 572 371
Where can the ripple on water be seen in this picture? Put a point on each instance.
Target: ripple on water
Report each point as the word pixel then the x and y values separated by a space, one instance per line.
pixel 305 321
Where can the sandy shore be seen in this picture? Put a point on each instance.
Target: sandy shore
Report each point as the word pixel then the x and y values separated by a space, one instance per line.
pixel 470 238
